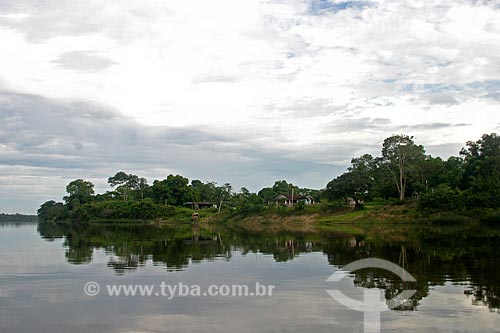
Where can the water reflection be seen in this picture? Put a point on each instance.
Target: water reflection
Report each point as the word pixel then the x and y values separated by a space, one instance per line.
pixel 434 256
pixel 16 224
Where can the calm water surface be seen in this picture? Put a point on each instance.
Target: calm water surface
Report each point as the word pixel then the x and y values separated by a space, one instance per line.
pixel 43 270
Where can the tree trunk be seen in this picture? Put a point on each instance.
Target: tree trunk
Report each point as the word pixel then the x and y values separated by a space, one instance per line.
pixel 396 181
pixel 401 176
pixel 401 184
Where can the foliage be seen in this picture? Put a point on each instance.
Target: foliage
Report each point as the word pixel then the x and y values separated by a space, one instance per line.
pixel 79 192
pixel 492 218
pixel 443 198
pixel 126 183
pixel 356 183
pixel 468 184
pixel 482 167
pixel 144 209
pixel 51 211
pixel 402 158
pixel 173 190
pixel 268 194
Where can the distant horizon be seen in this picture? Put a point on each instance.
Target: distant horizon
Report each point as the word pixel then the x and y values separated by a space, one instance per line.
pixel 242 92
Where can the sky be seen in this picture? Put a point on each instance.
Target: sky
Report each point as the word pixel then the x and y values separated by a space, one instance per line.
pixel 239 91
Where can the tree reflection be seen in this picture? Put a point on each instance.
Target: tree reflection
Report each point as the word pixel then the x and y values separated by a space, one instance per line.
pixel 434 256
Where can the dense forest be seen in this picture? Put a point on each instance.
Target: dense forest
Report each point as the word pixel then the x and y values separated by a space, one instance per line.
pixel 467 184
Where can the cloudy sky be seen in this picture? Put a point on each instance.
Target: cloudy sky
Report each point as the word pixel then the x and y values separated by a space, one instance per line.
pixel 245 91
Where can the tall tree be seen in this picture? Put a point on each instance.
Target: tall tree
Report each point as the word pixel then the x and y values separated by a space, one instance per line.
pixel 79 191
pixel 174 190
pixel 223 193
pixel 124 183
pixel 142 186
pixel 283 187
pixel 401 157
pixel 267 194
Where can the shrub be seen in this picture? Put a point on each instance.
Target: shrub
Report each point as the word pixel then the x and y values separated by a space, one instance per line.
pixel 492 218
pixel 449 219
pixel 441 199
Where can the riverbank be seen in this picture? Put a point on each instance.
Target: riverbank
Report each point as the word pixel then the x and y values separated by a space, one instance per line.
pixel 300 218
pixel 377 214
pixel 313 218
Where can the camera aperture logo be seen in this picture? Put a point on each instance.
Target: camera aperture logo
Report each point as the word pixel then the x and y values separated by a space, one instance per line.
pixel 373 303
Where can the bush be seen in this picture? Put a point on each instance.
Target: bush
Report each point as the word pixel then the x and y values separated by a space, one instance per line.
pixel 299 207
pixel 449 219
pixel 492 218
pixel 114 210
pixel 441 199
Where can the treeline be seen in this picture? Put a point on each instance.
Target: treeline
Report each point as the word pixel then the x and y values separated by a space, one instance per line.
pixel 17 218
pixel 132 197
pixel 467 184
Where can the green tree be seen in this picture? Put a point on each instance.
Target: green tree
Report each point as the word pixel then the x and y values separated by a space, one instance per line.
pixel 356 183
pixel 223 193
pixel 79 192
pixel 174 190
pixel 124 183
pixel 481 177
pixel 452 172
pixel 267 194
pixel 248 202
pixel 482 163
pixel 283 187
pixel 142 186
pixel 203 191
pixel 51 211
pixel 401 157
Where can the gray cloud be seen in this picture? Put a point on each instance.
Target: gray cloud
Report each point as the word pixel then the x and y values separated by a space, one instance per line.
pixel 48 19
pixel 359 124
pixel 216 78
pixel 443 150
pixel 61 141
pixel 307 108
pixel 432 126
pixel 87 61
pixel 46 143
pixel 444 99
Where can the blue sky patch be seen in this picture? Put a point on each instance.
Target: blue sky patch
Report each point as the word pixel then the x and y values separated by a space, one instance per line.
pixel 487 86
pixel 490 88
pixel 319 7
pixel 436 88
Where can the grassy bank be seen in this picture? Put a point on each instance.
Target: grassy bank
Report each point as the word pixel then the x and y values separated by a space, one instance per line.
pixel 326 217
pixel 383 215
